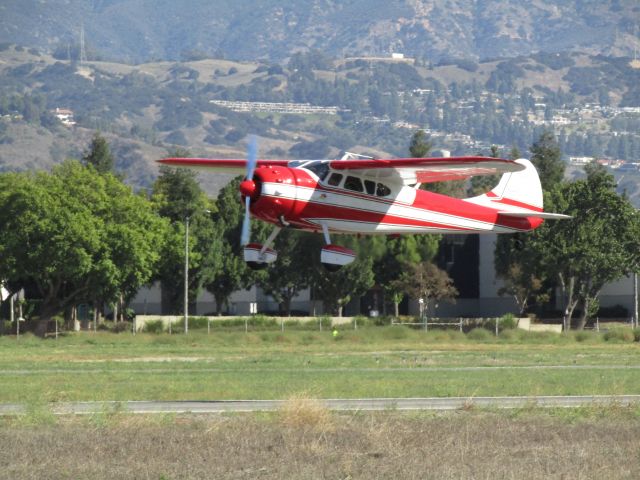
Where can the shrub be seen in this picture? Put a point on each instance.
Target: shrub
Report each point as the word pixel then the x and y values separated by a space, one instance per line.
pixel 636 334
pixel 479 334
pixel 396 332
pixel 120 327
pixel 154 326
pixel 509 335
pixel 508 321
pixel 619 335
pixel 582 336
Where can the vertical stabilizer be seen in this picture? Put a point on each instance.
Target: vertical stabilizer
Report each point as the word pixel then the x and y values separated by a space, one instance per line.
pixel 517 191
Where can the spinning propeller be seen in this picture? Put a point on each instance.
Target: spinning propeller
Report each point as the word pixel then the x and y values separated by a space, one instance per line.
pixel 248 188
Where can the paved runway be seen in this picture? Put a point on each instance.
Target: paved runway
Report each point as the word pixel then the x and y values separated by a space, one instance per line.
pixel 363 404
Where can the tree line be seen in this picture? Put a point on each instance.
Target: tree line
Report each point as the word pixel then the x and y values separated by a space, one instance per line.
pixel 78 234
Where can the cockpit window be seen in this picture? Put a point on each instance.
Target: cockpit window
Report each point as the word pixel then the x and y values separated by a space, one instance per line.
pixel 353 183
pixel 320 169
pixel 335 179
pixel 370 187
pixel 382 190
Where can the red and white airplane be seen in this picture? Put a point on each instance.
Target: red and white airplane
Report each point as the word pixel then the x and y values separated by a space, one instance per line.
pixel 374 196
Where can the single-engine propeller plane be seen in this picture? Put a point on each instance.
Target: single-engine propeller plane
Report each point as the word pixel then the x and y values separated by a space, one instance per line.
pixel 376 196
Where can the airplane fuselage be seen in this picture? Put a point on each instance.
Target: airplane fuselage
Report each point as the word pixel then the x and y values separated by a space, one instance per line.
pixel 346 203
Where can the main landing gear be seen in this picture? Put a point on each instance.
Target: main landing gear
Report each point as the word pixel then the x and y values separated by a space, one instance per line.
pixel 260 256
pixel 333 257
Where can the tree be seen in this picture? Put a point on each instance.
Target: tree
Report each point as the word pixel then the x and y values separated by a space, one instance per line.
pixel 521 269
pixel 518 263
pixel 395 256
pixel 420 146
pixel 292 272
pixel 600 244
pixel 99 155
pixel 75 236
pixel 336 289
pixel 233 273
pixel 428 283
pixel 547 158
pixel 178 198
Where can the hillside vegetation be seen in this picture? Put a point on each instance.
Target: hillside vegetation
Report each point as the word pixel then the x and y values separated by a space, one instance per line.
pixel 136 31
pixel 149 109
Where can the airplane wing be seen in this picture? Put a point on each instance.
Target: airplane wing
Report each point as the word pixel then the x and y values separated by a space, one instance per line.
pixel 233 166
pixel 425 170
pixel 398 170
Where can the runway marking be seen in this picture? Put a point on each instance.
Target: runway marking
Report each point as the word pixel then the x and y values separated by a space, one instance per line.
pixel 355 404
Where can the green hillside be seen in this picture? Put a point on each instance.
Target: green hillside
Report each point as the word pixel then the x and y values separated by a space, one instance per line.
pixel 137 31
pixel 374 106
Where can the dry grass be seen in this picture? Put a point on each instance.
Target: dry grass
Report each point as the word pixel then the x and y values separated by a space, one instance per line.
pixel 296 443
pixel 302 411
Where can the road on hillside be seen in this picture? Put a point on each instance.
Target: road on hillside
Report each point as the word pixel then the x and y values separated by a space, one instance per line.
pixel 363 404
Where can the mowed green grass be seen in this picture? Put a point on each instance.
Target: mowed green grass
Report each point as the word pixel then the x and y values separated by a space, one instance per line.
pixel 368 362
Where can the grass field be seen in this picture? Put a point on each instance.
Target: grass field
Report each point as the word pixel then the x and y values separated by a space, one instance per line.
pixel 304 439
pixel 368 362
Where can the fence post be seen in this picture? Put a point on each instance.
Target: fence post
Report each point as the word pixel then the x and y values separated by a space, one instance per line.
pixel 208 325
pixel 497 323
pixel 460 324
pixel 246 324
pixel 282 324
pixel 597 324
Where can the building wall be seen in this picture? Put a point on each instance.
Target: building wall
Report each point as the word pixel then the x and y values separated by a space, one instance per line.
pixel 487 304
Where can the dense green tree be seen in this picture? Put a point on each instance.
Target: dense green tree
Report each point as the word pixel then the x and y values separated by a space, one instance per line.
pixel 394 256
pixel 293 271
pixel 517 262
pixel 177 196
pixel 420 146
pixel 600 244
pixel 547 158
pixel 336 289
pixel 99 155
pixel 233 274
pixel 76 236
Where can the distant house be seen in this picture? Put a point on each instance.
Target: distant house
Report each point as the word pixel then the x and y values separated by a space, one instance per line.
pixel 65 116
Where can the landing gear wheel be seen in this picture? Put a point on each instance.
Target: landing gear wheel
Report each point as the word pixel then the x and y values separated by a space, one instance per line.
pixel 331 267
pixel 257 265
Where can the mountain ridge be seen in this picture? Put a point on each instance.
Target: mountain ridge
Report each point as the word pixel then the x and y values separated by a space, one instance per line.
pixel 135 31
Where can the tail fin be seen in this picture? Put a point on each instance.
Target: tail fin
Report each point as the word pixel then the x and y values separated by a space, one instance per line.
pixel 517 192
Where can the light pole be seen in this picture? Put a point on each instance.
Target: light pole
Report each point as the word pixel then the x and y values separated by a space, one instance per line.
pixel 186 275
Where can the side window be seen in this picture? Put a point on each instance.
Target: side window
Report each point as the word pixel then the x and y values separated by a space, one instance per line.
pixel 382 190
pixel 335 179
pixel 320 169
pixel 370 187
pixel 353 183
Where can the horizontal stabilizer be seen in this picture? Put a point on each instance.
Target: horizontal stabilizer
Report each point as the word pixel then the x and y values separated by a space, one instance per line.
pixel 544 215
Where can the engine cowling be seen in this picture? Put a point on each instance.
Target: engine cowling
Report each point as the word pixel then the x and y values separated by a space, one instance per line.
pixel 274 198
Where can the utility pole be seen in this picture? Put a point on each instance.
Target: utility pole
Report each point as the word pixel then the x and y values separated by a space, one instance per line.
pixel 186 275
pixel 635 298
